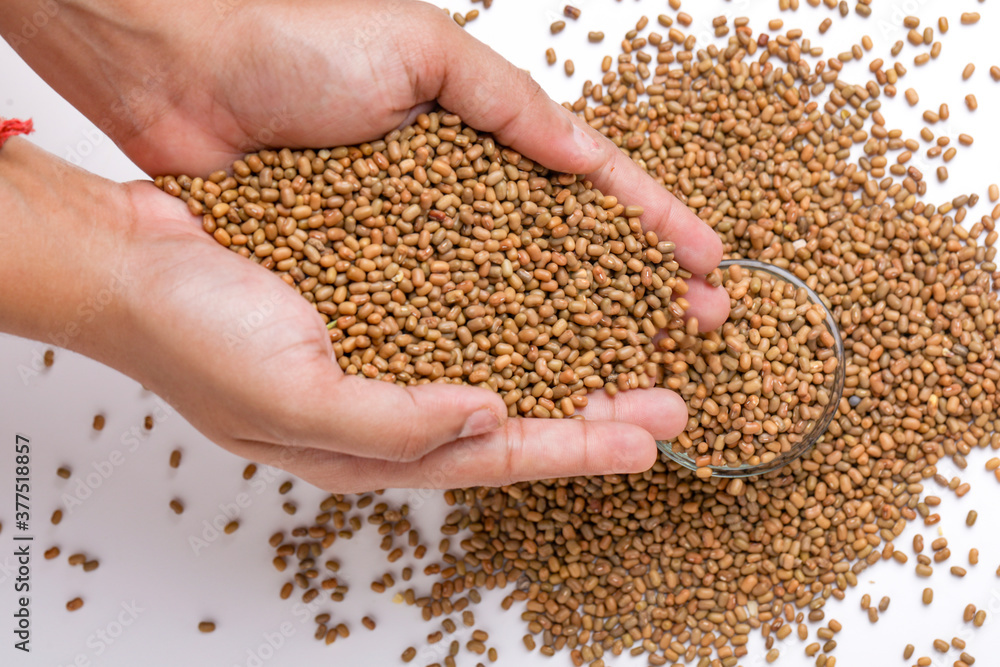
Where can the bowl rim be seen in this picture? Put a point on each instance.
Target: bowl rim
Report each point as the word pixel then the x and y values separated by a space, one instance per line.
pixel 819 427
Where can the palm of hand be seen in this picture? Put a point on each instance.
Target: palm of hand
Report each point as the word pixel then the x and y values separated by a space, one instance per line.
pixel 223 318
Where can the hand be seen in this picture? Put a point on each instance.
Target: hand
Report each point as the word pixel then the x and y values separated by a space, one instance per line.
pixel 249 363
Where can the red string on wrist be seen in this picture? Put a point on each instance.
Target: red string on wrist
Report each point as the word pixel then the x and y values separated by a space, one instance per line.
pixel 12 126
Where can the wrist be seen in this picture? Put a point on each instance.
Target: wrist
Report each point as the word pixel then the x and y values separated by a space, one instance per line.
pixel 116 61
pixel 63 248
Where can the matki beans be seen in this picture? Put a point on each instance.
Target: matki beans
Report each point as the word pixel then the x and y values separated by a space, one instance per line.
pixel 758 142
pixel 435 255
pixel 754 388
pixel 725 128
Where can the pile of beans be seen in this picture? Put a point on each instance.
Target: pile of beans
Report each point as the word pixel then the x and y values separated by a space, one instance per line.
pixel 435 255
pixel 756 388
pixel 758 141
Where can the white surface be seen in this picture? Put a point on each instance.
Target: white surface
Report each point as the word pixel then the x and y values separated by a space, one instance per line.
pixel 143 604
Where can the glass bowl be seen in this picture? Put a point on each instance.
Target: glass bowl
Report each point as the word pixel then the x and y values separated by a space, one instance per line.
pixel 816 428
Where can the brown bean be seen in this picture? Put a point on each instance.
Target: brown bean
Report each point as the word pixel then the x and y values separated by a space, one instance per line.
pixel 423 237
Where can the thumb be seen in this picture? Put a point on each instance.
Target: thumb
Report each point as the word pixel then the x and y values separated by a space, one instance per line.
pixel 381 420
pixel 493 95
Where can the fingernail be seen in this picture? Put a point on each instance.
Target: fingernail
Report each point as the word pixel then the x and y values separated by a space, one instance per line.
pixel 585 143
pixel 479 422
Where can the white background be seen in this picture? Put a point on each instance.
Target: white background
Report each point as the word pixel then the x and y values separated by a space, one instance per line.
pixel 147 563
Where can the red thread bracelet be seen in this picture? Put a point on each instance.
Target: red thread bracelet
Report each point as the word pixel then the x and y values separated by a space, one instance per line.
pixel 11 127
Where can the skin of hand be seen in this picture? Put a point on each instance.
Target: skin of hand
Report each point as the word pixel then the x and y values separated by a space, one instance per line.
pixel 179 95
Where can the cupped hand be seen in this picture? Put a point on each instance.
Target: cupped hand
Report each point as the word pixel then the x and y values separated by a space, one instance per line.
pixel 249 363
